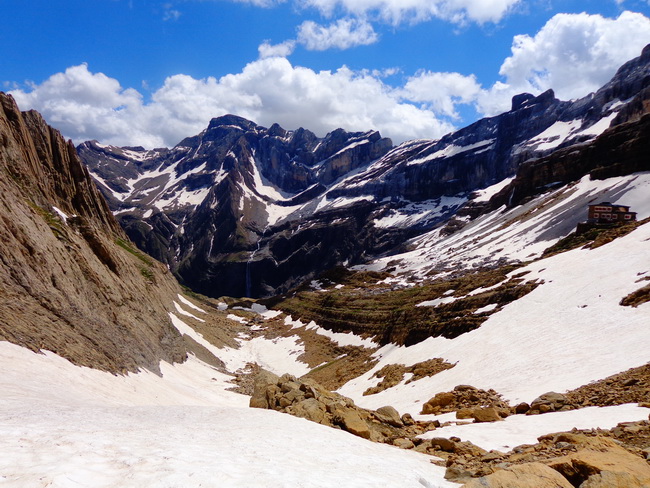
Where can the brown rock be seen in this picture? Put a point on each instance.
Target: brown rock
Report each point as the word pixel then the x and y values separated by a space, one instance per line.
pixel 311 409
pixel 600 456
pixel 458 474
pixel 464 413
pixel 545 408
pixel 407 419
pixel 351 421
pixel 550 401
pixel 486 414
pixel 530 475
pixel 390 416
pixel 443 444
pixel 442 399
pixel 262 380
pixel 522 408
pixel 403 443
pixel 428 409
pixel 609 479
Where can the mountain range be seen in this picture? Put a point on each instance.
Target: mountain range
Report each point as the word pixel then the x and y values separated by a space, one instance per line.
pixel 244 210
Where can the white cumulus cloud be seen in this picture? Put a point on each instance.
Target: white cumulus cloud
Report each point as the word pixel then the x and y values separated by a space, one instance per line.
pixel 342 34
pixel 86 105
pixel 574 54
pixel 284 49
pixel 442 91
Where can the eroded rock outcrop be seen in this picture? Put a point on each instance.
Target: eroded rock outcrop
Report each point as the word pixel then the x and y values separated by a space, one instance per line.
pixel 70 281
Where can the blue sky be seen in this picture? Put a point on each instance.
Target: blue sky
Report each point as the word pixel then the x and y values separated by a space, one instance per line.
pixel 150 72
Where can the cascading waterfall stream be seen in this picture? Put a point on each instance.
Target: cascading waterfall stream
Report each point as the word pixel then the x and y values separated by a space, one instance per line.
pixel 250 260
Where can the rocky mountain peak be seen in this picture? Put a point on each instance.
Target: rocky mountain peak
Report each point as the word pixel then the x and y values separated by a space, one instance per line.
pixel 526 100
pixel 231 121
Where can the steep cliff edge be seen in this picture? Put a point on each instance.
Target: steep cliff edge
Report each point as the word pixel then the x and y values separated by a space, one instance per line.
pixel 70 281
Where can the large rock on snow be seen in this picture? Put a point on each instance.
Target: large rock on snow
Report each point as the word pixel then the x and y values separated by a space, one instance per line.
pixel 549 402
pixel 486 414
pixel 599 463
pixel 530 475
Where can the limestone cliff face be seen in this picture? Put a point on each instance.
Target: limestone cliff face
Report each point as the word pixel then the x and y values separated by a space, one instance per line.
pixel 70 281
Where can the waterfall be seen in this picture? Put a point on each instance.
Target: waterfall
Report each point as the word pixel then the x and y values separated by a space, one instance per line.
pixel 250 260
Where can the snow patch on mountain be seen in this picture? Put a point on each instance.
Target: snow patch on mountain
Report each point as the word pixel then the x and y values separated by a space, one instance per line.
pixel 452 150
pixel 568 331
pixel 414 213
pixel 521 233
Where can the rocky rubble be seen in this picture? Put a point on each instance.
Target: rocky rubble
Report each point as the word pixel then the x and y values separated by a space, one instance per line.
pixel 631 386
pixel 307 399
pixel 393 374
pixel 585 459
pixel 469 402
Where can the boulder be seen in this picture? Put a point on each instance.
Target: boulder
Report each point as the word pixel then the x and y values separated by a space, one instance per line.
pixel 522 408
pixel 603 460
pixel 259 397
pixel 408 419
pixel 464 413
pixel 390 416
pixel 351 421
pixel 310 409
pixel 442 399
pixel 443 444
pixel 529 475
pixel 610 479
pixel 548 402
pixel 403 443
pixel 486 414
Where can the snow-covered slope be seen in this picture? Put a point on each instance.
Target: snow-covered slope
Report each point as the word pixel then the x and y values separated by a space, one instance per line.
pixel 568 331
pixel 521 233
pixel 63 426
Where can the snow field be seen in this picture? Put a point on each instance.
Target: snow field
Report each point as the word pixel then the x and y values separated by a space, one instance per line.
pixel 66 426
pixel 567 332
pixel 522 233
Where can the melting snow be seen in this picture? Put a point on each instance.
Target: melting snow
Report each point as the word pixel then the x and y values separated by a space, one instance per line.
pixel 190 304
pixel 61 214
pixel 567 332
pixel 64 426
pixel 555 134
pixel 187 314
pixel 414 213
pixel 486 193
